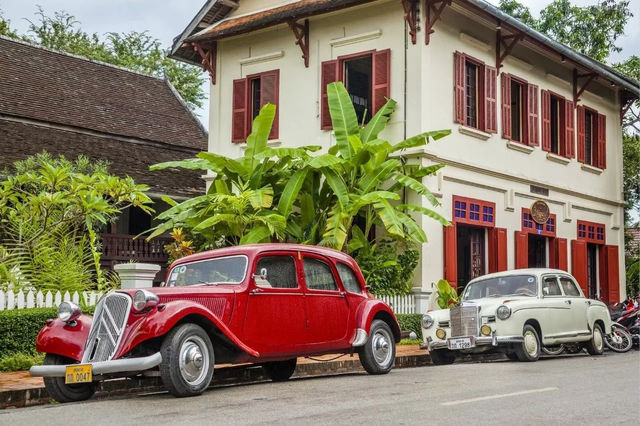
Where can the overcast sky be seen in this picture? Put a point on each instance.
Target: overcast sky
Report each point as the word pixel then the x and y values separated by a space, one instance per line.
pixel 164 19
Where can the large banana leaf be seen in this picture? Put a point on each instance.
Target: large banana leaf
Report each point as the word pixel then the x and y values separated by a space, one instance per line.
pixel 371 180
pixel 343 117
pixel 390 218
pixel 259 234
pixel 378 122
pixel 335 181
pixel 257 140
pixel 421 139
pixel 290 192
pixel 425 211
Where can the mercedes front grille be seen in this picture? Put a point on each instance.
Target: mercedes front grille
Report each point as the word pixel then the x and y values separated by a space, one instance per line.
pixel 464 321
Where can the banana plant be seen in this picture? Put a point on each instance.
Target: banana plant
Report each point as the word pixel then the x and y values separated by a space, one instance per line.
pixel 368 174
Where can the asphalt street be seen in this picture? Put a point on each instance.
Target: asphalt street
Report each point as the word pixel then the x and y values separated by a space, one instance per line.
pixel 567 390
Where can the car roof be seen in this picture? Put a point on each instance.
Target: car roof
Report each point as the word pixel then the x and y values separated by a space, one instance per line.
pixel 527 271
pixel 255 249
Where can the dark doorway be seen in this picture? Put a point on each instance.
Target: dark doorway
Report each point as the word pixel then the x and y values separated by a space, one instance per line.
pixel 470 254
pixel 537 251
pixel 592 280
pixel 139 221
pixel 357 80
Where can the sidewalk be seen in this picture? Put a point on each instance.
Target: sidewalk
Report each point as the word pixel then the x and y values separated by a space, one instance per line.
pixel 18 389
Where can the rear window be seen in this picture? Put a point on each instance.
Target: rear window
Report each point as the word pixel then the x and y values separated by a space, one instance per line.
pixel 221 270
pixel 349 279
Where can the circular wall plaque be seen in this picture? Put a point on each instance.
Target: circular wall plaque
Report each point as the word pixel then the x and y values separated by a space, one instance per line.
pixel 540 212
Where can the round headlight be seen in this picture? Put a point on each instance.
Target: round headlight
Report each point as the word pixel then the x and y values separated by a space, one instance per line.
pixel 485 330
pixel 503 312
pixel 441 334
pixel 427 321
pixel 68 311
pixel 144 299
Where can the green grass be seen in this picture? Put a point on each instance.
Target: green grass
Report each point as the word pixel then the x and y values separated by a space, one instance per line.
pixel 410 342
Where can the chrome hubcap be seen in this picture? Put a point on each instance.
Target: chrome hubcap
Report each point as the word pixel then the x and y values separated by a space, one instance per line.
pixel 597 338
pixel 381 345
pixel 530 343
pixel 194 360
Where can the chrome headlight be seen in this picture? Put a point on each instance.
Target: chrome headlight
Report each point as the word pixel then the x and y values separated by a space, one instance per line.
pixel 503 312
pixel 144 299
pixel 68 311
pixel 427 321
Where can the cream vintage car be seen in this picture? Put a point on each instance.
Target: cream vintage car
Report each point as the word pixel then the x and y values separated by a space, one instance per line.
pixel 521 313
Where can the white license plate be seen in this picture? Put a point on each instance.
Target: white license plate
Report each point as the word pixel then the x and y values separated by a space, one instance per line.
pixel 461 343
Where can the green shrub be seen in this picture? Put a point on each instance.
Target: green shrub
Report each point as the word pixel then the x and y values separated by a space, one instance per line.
pixel 20 361
pixel 410 322
pixel 20 327
pixel 388 267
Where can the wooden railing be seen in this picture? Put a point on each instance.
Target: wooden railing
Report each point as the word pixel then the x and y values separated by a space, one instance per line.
pixel 122 247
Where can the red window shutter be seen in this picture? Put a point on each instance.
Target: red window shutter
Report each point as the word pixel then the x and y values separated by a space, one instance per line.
pixel 558 253
pixel 381 79
pixel 602 141
pixel 581 135
pixel 269 88
pixel 459 87
pixel 603 274
pixel 579 264
pixel 546 120
pixel 522 250
pixel 497 249
pixel 613 274
pixel 506 105
pixel 569 129
pixel 532 115
pixel 490 99
pixel 239 113
pixel 330 74
pixel 450 255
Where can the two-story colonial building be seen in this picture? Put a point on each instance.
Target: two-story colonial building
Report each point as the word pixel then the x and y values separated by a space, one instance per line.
pixel 534 161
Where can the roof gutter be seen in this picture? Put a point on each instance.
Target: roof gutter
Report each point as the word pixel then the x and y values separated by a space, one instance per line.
pixel 591 64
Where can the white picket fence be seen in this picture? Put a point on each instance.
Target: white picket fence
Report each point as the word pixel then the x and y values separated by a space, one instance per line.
pixel 400 304
pixel 10 299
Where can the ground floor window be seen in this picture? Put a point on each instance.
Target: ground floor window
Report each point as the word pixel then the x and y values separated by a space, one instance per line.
pixel 470 253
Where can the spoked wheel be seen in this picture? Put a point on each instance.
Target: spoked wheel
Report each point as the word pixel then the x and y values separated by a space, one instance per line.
pixel 379 353
pixel 619 340
pixel 187 360
pixel 553 350
pixel 529 350
pixel 59 390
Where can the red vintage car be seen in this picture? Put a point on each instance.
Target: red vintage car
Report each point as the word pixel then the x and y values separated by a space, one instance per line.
pixel 265 303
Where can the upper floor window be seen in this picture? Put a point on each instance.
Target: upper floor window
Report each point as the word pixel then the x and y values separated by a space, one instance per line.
pixel 591 232
pixel 473 212
pixel 475 93
pixel 365 75
pixel 249 95
pixel 519 110
pixel 592 130
pixel 557 124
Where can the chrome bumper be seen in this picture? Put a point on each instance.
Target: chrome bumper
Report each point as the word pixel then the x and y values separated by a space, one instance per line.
pixel 492 340
pixel 103 367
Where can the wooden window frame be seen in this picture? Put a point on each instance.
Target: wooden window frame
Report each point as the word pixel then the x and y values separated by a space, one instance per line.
pixel 466 219
pixel 549 229
pixel 562 125
pixel 480 83
pixel 524 126
pixel 593 161
pixel 248 102
pixel 583 229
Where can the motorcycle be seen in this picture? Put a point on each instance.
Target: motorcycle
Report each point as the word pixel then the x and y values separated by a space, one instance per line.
pixel 621 338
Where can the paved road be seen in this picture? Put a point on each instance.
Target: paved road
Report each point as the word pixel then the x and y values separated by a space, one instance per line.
pixel 568 390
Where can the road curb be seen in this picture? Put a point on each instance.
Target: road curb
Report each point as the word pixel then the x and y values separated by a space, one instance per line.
pixel 225 376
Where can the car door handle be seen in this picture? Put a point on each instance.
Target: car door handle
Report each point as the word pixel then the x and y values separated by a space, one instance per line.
pixel 256 290
pixel 568 302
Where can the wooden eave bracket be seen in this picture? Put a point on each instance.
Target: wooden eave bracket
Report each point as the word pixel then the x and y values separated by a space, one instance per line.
pixel 433 11
pixel 411 17
pixel 301 33
pixel 504 45
pixel 577 90
pixel 625 104
pixel 208 53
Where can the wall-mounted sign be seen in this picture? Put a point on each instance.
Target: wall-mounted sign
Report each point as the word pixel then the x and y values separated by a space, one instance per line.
pixel 540 212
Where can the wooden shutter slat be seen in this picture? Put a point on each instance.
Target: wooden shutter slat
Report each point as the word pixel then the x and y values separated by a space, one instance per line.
pixel 459 87
pixel 561 254
pixel 602 141
pixel 533 135
pixel 546 120
pixel 581 133
pixel 239 111
pixel 330 74
pixel 522 250
pixel 490 99
pixel 613 274
pixel 381 79
pixel 269 88
pixel 569 129
pixel 506 105
pixel 450 255
pixel 579 264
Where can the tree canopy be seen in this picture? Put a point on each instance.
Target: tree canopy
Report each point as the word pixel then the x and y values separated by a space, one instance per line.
pixel 137 51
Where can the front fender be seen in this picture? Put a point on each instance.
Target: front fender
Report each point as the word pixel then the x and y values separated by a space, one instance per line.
pixel 368 311
pixel 159 322
pixel 599 311
pixel 57 337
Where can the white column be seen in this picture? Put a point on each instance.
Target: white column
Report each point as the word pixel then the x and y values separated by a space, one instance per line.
pixel 137 275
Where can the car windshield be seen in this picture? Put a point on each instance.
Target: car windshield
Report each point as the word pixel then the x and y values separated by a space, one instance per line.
pixel 221 270
pixel 513 285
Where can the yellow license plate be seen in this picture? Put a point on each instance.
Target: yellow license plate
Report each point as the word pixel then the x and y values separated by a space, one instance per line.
pixel 78 374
